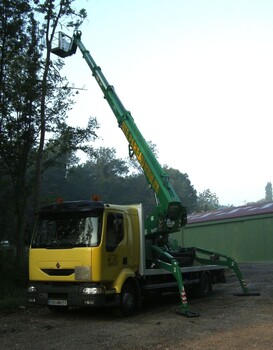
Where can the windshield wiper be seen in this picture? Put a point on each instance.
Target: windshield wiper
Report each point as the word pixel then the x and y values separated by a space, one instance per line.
pixel 54 245
pixel 59 245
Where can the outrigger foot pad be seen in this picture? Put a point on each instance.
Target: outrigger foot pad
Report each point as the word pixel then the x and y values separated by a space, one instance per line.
pixel 186 313
pixel 247 294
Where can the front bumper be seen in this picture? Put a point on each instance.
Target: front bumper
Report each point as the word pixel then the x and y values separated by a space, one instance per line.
pixel 69 295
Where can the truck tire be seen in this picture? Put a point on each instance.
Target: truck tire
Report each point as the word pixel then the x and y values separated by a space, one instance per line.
pixel 128 300
pixel 204 287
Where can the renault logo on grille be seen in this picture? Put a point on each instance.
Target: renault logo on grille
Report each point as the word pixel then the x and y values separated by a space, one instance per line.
pixel 58 265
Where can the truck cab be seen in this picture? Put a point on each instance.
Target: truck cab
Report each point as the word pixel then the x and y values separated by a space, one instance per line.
pixel 92 246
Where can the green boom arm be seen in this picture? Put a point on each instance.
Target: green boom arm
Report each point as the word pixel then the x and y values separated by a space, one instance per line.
pixel 169 214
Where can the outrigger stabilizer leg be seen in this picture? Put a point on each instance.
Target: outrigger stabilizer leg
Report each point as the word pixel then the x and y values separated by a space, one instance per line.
pixel 215 259
pixel 174 267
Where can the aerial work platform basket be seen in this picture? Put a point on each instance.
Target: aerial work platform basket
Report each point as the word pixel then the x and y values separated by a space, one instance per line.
pixel 63 45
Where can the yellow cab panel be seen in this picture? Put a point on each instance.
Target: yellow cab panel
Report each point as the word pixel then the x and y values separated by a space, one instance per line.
pixel 57 264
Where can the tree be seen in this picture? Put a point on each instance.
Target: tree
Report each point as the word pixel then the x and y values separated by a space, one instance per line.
pixel 103 174
pixel 207 201
pixel 268 192
pixel 54 15
pixel 19 95
pixel 179 181
pixel 60 159
pixel 33 102
pixel 138 190
pixel 183 188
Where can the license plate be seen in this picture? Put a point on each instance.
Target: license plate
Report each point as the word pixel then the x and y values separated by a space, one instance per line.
pixel 57 302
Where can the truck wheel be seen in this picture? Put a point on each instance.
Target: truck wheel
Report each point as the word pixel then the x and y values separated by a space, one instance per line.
pixel 127 300
pixel 204 287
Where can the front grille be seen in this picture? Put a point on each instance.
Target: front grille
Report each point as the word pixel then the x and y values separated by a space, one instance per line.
pixel 59 272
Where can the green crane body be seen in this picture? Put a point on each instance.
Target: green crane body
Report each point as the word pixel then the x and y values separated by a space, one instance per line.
pixel 169 215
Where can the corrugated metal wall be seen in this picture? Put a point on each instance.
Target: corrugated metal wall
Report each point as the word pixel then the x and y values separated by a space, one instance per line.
pixel 245 238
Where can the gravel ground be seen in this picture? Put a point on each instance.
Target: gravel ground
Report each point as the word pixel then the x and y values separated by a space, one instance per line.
pixel 226 322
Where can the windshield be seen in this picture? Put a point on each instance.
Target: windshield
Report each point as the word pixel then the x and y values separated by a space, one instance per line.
pixel 67 230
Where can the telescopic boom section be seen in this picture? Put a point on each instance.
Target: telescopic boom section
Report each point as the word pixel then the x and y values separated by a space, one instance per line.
pixel 169 214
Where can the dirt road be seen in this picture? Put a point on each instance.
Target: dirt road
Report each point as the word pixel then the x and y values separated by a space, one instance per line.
pixel 225 322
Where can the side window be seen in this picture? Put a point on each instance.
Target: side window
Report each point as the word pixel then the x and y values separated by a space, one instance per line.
pixel 114 231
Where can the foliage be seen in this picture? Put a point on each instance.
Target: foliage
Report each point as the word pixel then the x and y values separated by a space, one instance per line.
pixel 34 101
pixel 207 201
pixel 268 192
pixel 54 15
pixel 137 190
pixel 108 177
pixel 13 279
pixel 19 100
pixel 102 174
pixel 67 140
pixel 140 190
pixel 183 188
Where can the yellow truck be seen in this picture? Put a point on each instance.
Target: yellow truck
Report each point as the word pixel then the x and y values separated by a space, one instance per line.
pixel 90 253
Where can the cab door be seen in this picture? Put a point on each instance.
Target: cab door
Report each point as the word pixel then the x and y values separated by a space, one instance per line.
pixel 115 252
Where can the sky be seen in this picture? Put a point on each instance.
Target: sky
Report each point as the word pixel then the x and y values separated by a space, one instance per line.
pixel 197 77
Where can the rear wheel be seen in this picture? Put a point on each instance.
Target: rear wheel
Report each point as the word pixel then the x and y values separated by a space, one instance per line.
pixel 204 287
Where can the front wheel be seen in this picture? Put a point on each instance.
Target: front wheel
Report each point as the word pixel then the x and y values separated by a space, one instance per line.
pixel 204 288
pixel 127 300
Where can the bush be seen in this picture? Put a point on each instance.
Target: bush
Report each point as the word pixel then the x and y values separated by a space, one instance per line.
pixel 13 279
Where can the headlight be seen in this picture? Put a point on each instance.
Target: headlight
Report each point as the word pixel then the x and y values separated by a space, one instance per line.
pixel 32 289
pixel 93 290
